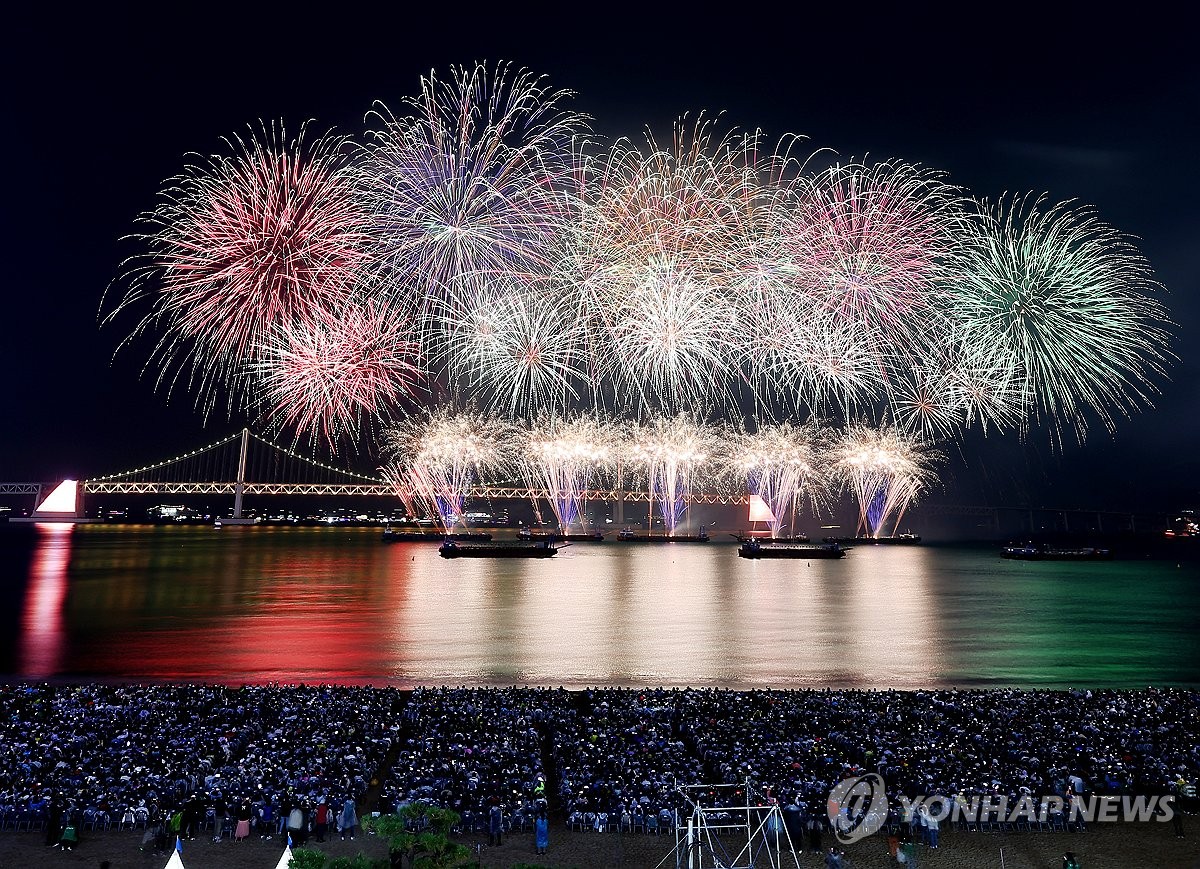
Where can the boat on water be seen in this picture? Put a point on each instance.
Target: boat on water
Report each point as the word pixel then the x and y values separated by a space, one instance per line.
pixel 896 540
pixel 391 535
pixel 628 535
pixel 765 537
pixel 517 549
pixel 572 537
pixel 1045 552
pixel 764 549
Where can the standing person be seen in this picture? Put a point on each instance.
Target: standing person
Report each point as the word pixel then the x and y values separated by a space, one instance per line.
pixel 931 825
pixel 295 824
pixel 54 820
pixel 321 819
pixel 541 832
pixel 495 824
pixel 814 834
pixel 243 821
pixel 349 819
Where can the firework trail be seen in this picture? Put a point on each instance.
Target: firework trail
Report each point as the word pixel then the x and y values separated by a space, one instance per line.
pixel 670 452
pixel 886 470
pixel 437 457
pixel 564 457
pixel 783 464
pixel 329 378
pixel 265 237
pixel 1067 302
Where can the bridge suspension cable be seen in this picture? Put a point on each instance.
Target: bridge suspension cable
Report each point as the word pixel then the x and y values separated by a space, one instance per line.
pixel 232 466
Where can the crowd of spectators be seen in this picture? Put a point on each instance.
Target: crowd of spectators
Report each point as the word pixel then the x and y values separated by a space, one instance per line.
pixel 470 749
pixel 196 758
pixel 274 760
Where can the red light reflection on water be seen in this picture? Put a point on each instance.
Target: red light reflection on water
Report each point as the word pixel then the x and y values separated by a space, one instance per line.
pixel 307 616
pixel 43 636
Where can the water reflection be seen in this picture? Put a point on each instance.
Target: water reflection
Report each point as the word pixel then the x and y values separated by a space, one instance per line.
pixel 43 638
pixel 256 605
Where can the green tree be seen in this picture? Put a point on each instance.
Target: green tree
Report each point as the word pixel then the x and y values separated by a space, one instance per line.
pixel 429 847
pixel 307 858
pixel 358 861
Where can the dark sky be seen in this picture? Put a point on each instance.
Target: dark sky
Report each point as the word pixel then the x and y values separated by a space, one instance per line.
pixel 100 108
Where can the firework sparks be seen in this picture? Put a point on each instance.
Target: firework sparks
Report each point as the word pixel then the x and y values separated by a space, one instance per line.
pixel 782 464
pixel 886 470
pixel 264 237
pixel 649 269
pixel 436 458
pixel 328 378
pixel 563 458
pixel 670 452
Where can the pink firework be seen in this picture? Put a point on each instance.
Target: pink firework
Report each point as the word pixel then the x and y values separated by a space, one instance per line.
pixel 328 378
pixel 868 242
pixel 264 238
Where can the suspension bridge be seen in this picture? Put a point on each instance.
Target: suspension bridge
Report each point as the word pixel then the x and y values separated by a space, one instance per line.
pixel 247 464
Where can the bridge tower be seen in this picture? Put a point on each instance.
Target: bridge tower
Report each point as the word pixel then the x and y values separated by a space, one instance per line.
pixel 239 485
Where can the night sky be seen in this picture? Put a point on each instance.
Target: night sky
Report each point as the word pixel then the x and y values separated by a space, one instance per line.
pixel 101 108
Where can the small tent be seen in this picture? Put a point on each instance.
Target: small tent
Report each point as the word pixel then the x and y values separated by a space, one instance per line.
pixel 176 861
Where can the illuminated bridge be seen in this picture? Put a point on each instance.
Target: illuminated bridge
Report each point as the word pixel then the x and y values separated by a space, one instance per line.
pixel 245 463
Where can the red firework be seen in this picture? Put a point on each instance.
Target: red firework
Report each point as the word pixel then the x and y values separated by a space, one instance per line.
pixel 329 377
pixel 268 236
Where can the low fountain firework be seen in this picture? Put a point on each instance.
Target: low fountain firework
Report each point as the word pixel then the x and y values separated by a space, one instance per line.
pixel 783 465
pixel 436 458
pixel 886 471
pixel 564 458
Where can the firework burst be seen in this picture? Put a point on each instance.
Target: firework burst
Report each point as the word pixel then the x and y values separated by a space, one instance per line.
pixel 869 240
pixel 267 236
pixel 648 267
pixel 330 377
pixel 467 187
pixel 515 351
pixel 1067 302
